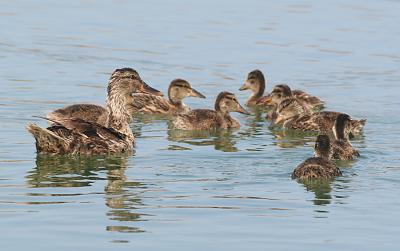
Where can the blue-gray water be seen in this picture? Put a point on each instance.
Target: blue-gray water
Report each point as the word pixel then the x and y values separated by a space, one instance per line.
pixel 226 191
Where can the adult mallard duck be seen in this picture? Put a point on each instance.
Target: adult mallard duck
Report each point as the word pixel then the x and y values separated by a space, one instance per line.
pixel 98 114
pixel 318 167
pixel 203 119
pixel 256 83
pixel 291 114
pixel 152 104
pixel 78 136
pixel 341 146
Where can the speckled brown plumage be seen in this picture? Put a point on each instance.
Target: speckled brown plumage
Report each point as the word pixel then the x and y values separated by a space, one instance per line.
pixel 321 122
pixel 177 91
pixel 204 119
pixel 256 82
pixel 78 136
pixel 343 150
pixel 341 146
pixel 75 136
pixel 91 113
pixel 318 167
pixel 96 113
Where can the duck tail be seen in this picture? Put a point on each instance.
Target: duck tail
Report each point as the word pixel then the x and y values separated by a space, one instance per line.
pixel 46 140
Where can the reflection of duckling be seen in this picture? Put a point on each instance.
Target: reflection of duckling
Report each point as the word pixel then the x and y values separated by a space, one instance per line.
pixel 341 146
pixel 291 114
pixel 321 188
pixel 98 114
pixel 177 91
pixel 319 166
pixel 256 83
pixel 75 135
pixel 203 119
pixel 223 140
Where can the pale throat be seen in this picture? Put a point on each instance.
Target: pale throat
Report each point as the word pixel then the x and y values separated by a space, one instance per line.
pixel 175 99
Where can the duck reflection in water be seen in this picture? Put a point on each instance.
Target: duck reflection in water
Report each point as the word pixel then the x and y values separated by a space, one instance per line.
pixel 83 171
pixel 288 138
pixel 255 123
pixel 321 188
pixel 222 139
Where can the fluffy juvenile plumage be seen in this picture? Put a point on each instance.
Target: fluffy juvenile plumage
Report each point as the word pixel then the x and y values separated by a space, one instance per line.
pixel 203 119
pixel 95 113
pixel 290 113
pixel 177 91
pixel 318 167
pixel 79 136
pixel 286 106
pixel 256 83
pixel 341 146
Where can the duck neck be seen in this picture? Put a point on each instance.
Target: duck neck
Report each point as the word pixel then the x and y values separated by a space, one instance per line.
pixel 175 101
pixel 118 116
pixel 258 92
pixel 223 113
pixel 339 132
pixel 325 154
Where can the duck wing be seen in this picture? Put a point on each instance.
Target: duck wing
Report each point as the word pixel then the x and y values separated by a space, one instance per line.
pixel 198 119
pixel 146 103
pixel 308 100
pixel 88 112
pixel 79 136
pixel 317 122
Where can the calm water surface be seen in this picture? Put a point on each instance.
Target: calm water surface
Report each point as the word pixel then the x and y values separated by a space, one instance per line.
pixel 215 191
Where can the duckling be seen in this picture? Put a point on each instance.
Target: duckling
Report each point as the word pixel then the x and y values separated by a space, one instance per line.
pixel 203 119
pixel 341 146
pixel 70 135
pixel 286 106
pixel 177 91
pixel 318 167
pixel 291 114
pixel 95 113
pixel 256 83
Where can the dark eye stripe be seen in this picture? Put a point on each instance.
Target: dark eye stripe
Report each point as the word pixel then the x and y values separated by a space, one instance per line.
pixel 181 85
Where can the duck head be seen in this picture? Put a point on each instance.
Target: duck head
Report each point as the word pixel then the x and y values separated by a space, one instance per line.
pixel 255 82
pixel 227 102
pixel 126 81
pixel 278 94
pixel 322 146
pixel 180 89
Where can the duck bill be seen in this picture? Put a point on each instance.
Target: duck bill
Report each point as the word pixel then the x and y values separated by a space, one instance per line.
pixel 197 94
pixel 279 120
pixel 267 100
pixel 242 110
pixel 245 86
pixel 145 88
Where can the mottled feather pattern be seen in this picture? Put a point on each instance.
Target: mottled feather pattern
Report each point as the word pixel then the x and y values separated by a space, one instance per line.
pixel 91 113
pixel 78 136
pixel 146 103
pixel 307 100
pixel 316 168
pixel 342 150
pixel 320 122
pixel 203 119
